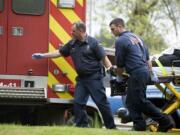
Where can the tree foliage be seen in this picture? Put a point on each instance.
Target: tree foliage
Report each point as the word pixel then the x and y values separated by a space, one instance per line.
pixel 146 18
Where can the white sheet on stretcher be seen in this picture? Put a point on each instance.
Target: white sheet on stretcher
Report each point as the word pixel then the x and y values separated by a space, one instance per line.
pixel 169 71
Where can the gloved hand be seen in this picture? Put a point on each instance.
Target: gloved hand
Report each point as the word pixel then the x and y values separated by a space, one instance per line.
pixel 37 56
pixel 111 71
pixel 154 77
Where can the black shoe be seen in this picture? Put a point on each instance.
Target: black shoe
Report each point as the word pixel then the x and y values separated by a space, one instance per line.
pixel 165 128
pixel 126 120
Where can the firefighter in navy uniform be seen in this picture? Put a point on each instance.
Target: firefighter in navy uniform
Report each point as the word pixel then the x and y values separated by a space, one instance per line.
pixel 88 57
pixel 132 56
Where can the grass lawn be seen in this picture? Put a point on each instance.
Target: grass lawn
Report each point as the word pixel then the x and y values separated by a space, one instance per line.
pixel 60 130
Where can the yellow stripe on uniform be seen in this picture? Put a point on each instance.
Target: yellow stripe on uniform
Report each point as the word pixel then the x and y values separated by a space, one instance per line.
pixel 80 2
pixel 62 64
pixel 52 80
pixel 59 31
pixel 68 13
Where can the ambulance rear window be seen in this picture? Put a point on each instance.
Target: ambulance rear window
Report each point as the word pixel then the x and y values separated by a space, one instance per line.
pixel 1 5
pixel 29 7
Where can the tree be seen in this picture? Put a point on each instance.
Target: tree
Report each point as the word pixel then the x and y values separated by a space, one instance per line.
pixel 140 22
pixel 142 17
pixel 106 38
pixel 171 9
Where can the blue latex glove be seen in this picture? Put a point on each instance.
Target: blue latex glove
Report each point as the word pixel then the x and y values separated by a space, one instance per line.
pixel 154 77
pixel 37 56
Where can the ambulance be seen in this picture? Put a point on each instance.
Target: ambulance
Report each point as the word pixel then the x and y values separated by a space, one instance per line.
pixel 38 92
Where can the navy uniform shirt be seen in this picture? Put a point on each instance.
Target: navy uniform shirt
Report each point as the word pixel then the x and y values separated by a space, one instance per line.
pixel 131 52
pixel 86 55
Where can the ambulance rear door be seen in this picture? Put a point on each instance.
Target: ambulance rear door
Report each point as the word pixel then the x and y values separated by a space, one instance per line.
pixel 25 31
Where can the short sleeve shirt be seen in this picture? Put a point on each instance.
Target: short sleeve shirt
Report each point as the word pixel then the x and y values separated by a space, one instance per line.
pixel 131 53
pixel 86 55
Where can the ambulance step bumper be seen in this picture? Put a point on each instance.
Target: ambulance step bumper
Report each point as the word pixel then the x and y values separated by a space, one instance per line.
pixel 22 94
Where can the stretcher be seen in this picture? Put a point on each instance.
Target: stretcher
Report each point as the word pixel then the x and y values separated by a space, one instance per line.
pixel 169 78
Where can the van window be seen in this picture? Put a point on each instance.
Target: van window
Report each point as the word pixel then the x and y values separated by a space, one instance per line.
pixel 29 7
pixel 1 5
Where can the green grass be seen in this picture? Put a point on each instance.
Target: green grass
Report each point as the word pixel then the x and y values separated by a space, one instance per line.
pixel 60 130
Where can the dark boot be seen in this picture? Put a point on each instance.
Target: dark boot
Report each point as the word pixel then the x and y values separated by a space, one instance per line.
pixel 165 124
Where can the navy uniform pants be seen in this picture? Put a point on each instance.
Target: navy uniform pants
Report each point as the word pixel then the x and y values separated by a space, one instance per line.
pixel 94 88
pixel 137 103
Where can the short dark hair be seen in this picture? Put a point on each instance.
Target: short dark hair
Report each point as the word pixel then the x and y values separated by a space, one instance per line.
pixel 80 26
pixel 117 21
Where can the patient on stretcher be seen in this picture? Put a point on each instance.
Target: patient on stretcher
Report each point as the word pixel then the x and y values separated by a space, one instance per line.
pixel 168 57
pixel 171 65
